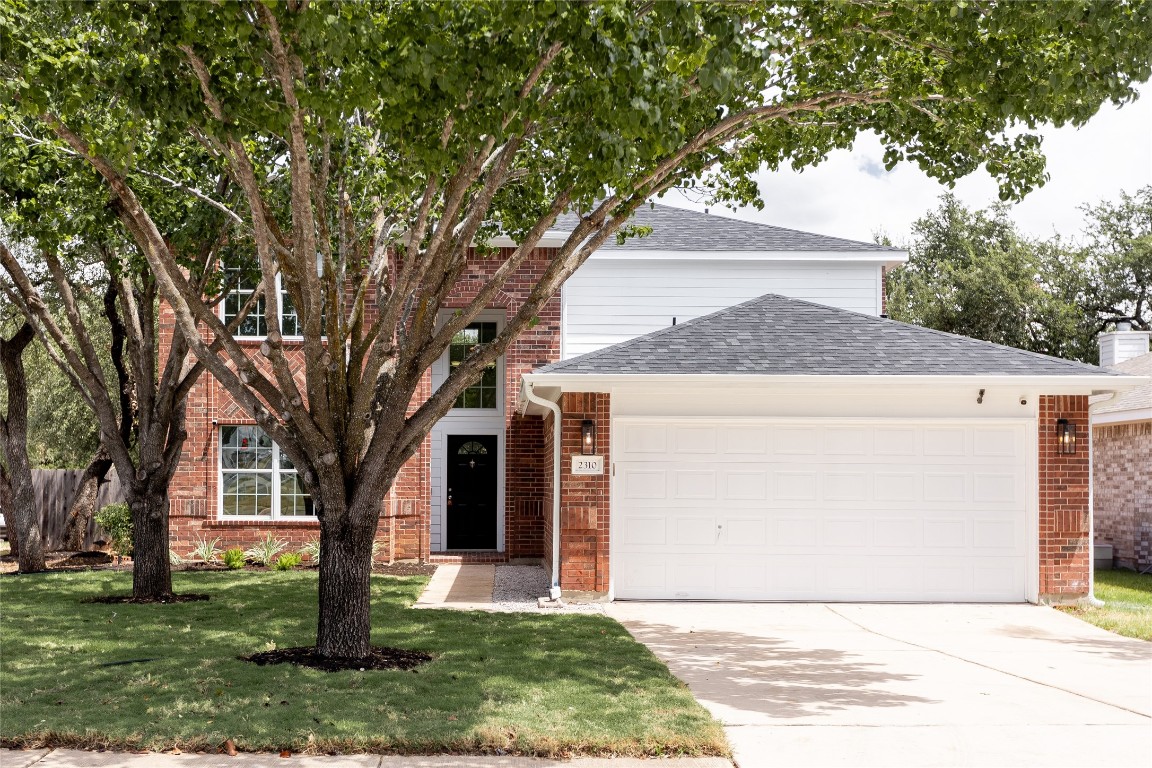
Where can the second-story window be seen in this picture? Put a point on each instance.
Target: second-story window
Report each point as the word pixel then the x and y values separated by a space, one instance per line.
pixel 483 393
pixel 255 325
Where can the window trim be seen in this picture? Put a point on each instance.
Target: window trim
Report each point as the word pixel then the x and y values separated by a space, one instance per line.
pixel 441 368
pixel 274 472
pixel 279 314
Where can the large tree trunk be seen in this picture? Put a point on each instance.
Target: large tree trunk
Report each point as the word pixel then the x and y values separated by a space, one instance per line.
pixel 14 436
pixel 344 624
pixel 151 567
pixel 84 503
pixel 6 510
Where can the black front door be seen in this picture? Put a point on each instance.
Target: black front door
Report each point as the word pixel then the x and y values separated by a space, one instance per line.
pixel 471 502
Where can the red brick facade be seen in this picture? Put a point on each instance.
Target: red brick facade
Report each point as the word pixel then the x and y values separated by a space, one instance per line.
pixel 1065 546
pixel 584 499
pixel 1122 491
pixel 404 529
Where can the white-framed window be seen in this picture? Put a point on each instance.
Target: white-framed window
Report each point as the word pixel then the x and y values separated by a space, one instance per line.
pixel 485 393
pixel 257 480
pixel 255 325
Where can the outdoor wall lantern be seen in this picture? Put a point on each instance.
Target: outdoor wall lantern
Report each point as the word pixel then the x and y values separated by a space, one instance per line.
pixel 588 437
pixel 1066 436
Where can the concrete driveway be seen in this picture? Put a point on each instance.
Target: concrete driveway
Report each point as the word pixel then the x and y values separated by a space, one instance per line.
pixel 907 685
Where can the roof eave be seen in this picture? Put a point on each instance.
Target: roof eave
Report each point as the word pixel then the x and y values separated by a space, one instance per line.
pixel 1083 384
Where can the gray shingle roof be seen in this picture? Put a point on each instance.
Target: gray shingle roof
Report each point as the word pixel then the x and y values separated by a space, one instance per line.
pixel 774 335
pixel 1136 399
pixel 677 229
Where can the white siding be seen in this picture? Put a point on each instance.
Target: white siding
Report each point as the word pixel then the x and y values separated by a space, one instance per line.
pixel 609 301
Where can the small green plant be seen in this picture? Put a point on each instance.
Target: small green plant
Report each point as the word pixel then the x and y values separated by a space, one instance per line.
pixel 264 552
pixel 116 519
pixel 206 551
pixel 311 550
pixel 174 557
pixel 234 558
pixel 287 561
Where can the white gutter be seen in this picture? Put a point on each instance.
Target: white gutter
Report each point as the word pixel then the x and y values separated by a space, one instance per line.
pixel 594 382
pixel 530 396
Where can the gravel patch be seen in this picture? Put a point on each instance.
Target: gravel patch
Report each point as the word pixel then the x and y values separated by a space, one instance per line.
pixel 519 587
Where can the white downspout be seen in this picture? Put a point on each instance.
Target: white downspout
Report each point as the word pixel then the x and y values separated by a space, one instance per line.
pixel 530 396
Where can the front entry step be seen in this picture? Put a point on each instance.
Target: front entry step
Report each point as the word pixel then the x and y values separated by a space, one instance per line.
pixel 445 558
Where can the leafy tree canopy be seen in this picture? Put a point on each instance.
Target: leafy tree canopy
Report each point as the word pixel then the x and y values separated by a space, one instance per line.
pixel 363 149
pixel 973 273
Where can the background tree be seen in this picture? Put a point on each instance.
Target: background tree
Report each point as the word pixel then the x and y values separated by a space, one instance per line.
pixel 16 470
pixel 375 144
pixel 1118 253
pixel 63 241
pixel 973 273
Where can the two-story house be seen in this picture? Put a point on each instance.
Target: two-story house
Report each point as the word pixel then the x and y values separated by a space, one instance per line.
pixel 664 433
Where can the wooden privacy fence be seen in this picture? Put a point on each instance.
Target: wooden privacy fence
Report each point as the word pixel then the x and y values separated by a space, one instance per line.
pixel 55 489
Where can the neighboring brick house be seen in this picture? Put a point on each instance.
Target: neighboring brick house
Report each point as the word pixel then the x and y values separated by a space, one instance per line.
pixel 811 483
pixel 1122 454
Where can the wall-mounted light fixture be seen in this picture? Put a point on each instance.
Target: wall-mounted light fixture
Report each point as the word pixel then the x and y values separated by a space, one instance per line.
pixel 1065 436
pixel 588 437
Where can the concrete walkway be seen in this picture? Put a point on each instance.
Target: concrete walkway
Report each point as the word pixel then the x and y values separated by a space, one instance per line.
pixel 907 685
pixel 461 587
pixel 71 758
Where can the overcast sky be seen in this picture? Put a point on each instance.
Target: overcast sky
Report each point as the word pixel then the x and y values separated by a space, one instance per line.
pixel 851 195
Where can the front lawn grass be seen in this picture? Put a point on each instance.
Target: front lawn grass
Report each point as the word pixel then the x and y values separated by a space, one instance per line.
pixel 1127 608
pixel 164 676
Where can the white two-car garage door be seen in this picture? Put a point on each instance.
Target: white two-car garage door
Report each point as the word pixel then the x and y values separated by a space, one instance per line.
pixel 777 509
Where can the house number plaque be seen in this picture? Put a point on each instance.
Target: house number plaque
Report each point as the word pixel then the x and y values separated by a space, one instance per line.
pixel 587 465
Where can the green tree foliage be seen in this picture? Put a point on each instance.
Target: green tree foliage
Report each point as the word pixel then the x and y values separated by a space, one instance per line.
pixel 61 431
pixel 374 144
pixel 973 273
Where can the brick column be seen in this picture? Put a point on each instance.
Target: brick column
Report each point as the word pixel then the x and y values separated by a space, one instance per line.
pixel 1065 547
pixel 584 512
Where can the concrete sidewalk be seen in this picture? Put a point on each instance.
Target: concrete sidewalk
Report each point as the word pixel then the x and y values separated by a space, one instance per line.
pixel 73 758
pixel 461 587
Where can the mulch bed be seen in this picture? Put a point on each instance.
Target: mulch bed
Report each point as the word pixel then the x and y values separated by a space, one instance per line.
pixel 129 600
pixel 404 569
pixel 378 658
pixel 57 562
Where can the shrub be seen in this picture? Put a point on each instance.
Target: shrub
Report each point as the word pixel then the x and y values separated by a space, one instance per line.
pixel 311 550
pixel 265 551
pixel 234 558
pixel 116 519
pixel 287 561
pixel 205 550
pixel 174 557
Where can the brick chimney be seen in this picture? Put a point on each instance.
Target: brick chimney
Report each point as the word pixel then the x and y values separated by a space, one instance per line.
pixel 1122 344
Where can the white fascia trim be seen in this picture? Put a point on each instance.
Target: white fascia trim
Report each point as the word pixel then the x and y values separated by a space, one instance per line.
pixel 553 238
pixel 887 258
pixel 1048 385
pixel 1121 417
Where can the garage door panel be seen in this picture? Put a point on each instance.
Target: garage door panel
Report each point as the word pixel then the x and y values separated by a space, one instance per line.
pixel 693 484
pixel 839 511
pixel 740 485
pixel 644 483
pixel 845 486
pixel 637 531
pixel 745 532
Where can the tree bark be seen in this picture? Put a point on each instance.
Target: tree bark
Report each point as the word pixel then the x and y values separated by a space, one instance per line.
pixel 14 436
pixel 151 567
pixel 6 510
pixel 344 624
pixel 84 503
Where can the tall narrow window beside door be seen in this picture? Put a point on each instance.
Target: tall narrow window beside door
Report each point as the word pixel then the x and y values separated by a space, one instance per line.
pixel 483 393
